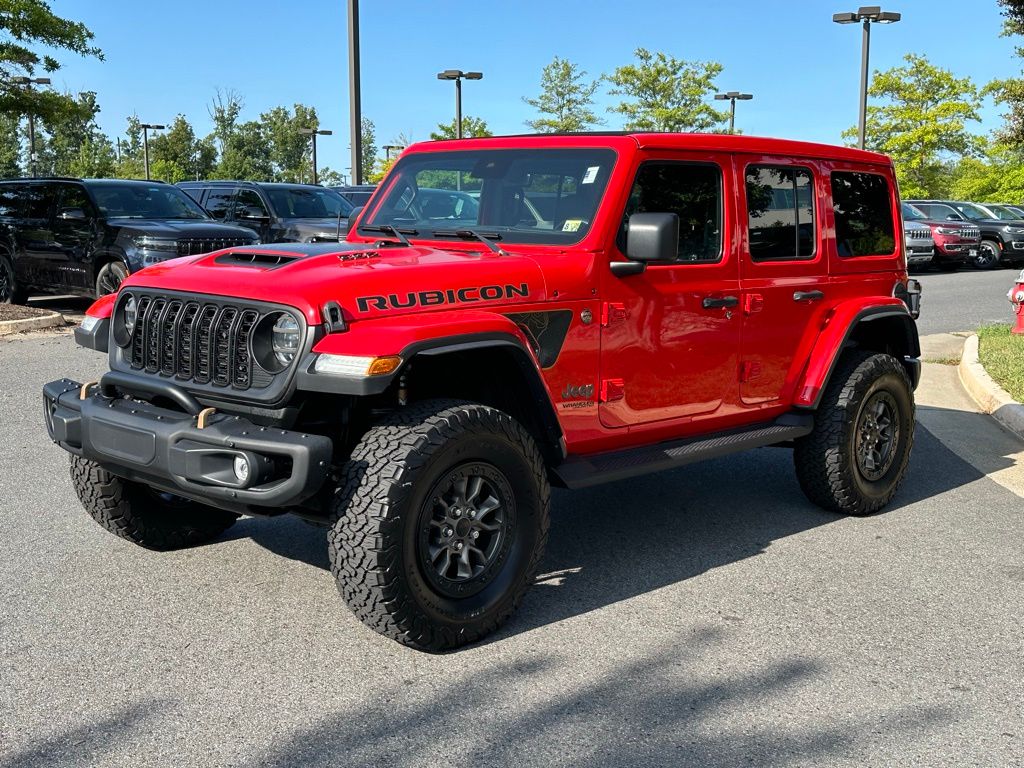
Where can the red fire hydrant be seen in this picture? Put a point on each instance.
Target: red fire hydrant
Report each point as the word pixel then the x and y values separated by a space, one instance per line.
pixel 1016 297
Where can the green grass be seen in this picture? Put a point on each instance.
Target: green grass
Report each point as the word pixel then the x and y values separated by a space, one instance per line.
pixel 1002 355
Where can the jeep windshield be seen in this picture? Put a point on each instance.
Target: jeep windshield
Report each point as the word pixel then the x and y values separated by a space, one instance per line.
pixel 544 196
pixel 145 201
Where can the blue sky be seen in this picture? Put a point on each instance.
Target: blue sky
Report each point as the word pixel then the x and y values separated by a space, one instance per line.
pixel 165 58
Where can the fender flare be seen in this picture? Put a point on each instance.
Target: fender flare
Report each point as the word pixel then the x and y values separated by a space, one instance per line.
pixel 837 337
pixel 429 335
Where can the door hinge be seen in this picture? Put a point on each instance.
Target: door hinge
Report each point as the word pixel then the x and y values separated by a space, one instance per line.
pixel 753 302
pixel 612 312
pixel 749 370
pixel 612 389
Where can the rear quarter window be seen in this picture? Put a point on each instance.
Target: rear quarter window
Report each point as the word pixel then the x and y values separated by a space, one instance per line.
pixel 862 203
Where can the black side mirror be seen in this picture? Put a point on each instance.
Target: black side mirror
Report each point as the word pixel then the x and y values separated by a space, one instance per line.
pixel 652 237
pixel 72 214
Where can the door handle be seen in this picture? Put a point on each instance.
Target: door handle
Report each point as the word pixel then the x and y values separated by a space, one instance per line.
pixel 724 301
pixel 808 296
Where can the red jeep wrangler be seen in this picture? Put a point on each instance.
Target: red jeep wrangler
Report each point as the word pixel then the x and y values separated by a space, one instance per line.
pixel 506 314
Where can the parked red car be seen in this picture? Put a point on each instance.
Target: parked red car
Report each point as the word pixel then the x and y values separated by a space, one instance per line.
pixel 613 305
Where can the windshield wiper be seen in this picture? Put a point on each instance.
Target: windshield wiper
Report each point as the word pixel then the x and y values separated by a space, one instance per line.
pixel 387 229
pixel 473 234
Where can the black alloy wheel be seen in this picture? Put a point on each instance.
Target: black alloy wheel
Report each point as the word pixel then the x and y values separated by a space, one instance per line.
pixel 878 432
pixel 988 255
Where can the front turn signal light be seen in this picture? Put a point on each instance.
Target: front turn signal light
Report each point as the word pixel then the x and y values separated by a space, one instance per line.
pixel 353 365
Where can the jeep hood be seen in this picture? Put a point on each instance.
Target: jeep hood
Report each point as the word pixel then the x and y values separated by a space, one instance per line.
pixel 365 281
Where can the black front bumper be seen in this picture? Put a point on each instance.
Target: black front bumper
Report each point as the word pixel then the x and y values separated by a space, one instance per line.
pixel 167 450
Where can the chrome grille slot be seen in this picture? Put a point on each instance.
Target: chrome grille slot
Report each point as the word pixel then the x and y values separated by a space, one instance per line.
pixel 196 245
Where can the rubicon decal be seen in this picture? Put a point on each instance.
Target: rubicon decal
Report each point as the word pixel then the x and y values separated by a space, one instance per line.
pixel 447 296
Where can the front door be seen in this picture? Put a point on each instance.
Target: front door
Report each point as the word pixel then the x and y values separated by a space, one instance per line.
pixel 74 230
pixel 670 335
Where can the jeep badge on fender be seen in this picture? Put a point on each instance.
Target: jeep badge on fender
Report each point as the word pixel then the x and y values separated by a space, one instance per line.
pixel 506 314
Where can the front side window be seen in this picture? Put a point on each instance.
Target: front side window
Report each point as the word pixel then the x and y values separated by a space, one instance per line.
pixel 302 203
pixel 218 202
pixel 74 196
pixel 780 213
pixel 248 205
pixel 863 211
pixel 693 192
pixel 145 201
pixel 546 196
pixel 39 199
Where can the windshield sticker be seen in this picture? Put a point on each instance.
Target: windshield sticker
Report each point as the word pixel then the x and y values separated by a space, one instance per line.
pixel 572 225
pixel 591 175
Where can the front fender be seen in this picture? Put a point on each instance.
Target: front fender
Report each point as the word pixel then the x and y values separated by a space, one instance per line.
pixel 835 336
pixel 406 336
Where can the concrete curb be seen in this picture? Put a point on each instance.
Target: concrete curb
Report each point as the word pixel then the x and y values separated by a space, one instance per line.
pixel 50 320
pixel 989 396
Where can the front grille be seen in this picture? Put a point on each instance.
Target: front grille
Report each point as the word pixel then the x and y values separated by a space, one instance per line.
pixel 194 246
pixel 196 340
pixel 970 233
pixel 919 234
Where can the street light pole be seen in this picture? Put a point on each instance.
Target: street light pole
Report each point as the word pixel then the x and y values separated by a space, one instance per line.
pixel 355 105
pixel 146 128
pixel 313 132
pixel 28 82
pixel 732 96
pixel 457 75
pixel 868 14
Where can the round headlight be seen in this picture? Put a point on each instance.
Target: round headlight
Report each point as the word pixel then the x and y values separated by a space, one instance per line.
pixel 285 339
pixel 131 313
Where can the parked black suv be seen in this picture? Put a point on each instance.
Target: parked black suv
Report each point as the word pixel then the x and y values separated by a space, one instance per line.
pixel 1002 242
pixel 278 213
pixel 84 236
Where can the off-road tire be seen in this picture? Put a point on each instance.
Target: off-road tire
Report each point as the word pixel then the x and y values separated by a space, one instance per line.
pixel 10 291
pixel 826 460
pixel 134 512
pixel 381 510
pixel 110 277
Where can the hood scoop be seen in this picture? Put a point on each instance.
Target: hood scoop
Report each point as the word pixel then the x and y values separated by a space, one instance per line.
pixel 255 259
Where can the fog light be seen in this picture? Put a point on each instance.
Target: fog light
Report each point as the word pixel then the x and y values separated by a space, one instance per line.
pixel 241 468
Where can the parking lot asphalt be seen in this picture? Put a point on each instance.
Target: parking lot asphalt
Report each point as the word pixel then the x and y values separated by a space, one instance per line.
pixel 703 617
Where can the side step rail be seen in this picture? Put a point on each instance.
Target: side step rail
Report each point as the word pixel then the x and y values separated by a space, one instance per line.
pixel 583 471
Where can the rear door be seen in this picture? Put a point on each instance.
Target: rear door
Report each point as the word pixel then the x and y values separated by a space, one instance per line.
pixel 783 271
pixel 670 335
pixel 35 238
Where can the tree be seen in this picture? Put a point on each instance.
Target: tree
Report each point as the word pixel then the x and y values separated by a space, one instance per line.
pixel 566 96
pixel 177 155
pixel 246 155
pixel 472 128
pixel 10 147
pixel 25 24
pixel 667 94
pixel 290 150
pixel 922 122
pixel 368 135
pixel 71 143
pixel 224 111
pixel 997 178
pixel 129 164
pixel 1010 91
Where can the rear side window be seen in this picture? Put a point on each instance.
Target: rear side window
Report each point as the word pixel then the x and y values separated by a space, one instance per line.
pixel 10 199
pixel 863 213
pixel 39 201
pixel 218 202
pixel 780 213
pixel 693 192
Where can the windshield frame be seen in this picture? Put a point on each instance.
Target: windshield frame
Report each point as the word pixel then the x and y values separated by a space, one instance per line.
pixel 443 229
pixel 92 189
pixel 272 189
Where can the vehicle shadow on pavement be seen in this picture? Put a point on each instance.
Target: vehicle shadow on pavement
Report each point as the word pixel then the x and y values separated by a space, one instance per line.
pixel 624 539
pixel 86 744
pixel 658 708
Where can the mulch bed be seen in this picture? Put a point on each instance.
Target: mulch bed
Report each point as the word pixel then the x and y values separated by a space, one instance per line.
pixel 18 312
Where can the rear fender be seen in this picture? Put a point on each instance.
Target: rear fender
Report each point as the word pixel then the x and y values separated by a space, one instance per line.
pixel 840 332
